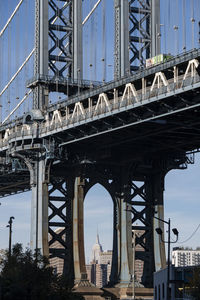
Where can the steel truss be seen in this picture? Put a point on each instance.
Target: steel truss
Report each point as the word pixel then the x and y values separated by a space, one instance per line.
pixel 140 32
pixel 58 45
pixel 60 217
pixel 137 34
pixel 61 37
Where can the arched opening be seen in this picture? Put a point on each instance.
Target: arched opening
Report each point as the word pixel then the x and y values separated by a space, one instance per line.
pixel 98 234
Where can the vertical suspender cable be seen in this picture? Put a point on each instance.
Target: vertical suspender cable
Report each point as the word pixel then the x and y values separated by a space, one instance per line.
pixel 95 43
pixel 184 27
pixel 176 27
pixel 140 46
pixel 26 108
pixel 165 30
pixel 17 33
pixel 192 20
pixel 85 30
pixel 91 44
pixel 8 68
pixel 169 27
pixel 1 72
pixel 57 48
pixel 104 40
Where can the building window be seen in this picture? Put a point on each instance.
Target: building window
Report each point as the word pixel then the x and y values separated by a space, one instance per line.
pixel 163 291
pixel 155 292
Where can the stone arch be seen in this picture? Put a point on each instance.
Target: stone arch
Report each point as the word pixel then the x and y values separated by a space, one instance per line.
pixel 108 186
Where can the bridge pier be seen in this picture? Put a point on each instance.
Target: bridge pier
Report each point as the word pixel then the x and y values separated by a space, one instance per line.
pixel 58 193
pixel 39 208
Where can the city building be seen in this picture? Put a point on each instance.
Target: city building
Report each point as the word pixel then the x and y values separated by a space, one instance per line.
pixel 56 262
pixel 99 269
pixel 139 264
pixel 183 258
pixel 179 279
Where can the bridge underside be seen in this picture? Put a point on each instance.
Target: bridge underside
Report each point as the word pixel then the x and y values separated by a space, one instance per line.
pixel 128 150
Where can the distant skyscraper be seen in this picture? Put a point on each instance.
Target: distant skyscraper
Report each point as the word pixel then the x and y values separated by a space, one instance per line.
pixel 100 267
pixel 96 251
pixel 184 258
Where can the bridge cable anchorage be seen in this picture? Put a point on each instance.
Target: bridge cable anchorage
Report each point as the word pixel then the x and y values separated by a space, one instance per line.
pixel 18 71
pixel 11 17
pixel 17 106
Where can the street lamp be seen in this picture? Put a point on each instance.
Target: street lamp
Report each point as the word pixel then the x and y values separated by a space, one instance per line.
pixel 10 233
pixel 160 232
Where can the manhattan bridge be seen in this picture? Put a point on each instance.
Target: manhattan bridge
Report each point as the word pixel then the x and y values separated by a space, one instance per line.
pixel 80 105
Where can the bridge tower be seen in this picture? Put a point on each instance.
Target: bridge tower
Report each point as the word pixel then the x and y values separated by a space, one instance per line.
pixel 58 59
pixel 60 181
pixel 137 37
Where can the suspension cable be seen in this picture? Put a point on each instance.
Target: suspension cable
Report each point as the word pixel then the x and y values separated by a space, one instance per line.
pixel 16 107
pixel 32 52
pixel 191 236
pixel 91 12
pixel 15 75
pixel 11 17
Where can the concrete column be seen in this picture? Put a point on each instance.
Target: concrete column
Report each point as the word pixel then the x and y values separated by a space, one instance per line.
pixel 40 99
pixel 77 40
pixel 159 247
pixel 122 63
pixel 78 232
pixel 39 210
pixel 155 27
pixel 126 250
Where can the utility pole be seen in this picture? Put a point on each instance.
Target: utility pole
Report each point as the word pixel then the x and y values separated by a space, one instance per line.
pixel 10 234
pixel 175 231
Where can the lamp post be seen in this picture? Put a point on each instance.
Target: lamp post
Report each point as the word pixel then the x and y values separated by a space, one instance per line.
pixel 10 233
pixel 175 231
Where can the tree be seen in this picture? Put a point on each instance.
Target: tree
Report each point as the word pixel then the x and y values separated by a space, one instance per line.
pixel 194 284
pixel 27 276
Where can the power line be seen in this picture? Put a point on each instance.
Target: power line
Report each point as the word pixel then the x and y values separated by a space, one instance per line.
pixel 190 236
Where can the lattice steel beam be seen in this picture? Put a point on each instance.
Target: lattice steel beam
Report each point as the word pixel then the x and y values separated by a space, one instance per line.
pixel 58 44
pixel 138 39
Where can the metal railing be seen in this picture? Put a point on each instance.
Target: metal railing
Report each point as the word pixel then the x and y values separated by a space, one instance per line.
pixel 115 105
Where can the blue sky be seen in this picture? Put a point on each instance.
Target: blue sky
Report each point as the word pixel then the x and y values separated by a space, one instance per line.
pixel 182 206
pixel 182 193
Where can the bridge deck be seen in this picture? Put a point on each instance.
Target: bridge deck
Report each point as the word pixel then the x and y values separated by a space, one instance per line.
pixel 155 113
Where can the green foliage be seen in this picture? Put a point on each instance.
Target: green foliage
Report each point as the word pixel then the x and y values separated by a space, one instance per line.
pixel 27 276
pixel 194 284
